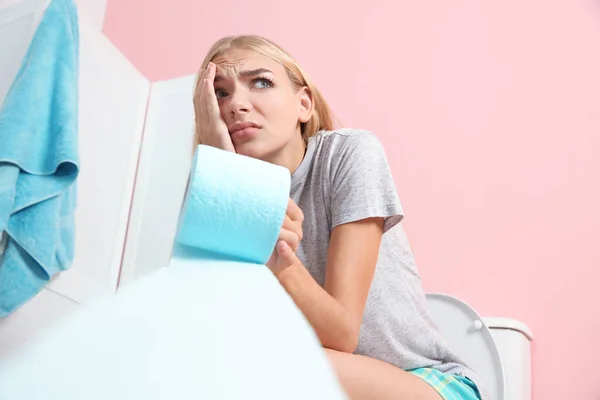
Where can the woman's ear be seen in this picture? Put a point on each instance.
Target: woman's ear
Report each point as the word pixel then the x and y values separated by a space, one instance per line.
pixel 305 102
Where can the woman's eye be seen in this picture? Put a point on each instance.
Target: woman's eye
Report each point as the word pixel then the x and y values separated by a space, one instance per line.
pixel 263 83
pixel 220 94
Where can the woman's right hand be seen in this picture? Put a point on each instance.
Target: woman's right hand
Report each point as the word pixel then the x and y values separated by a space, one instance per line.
pixel 290 233
pixel 211 130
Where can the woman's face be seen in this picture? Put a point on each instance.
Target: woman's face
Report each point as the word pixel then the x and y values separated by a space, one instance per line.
pixel 260 106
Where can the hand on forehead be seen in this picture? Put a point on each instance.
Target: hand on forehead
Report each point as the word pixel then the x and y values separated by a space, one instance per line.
pixel 234 61
pixel 228 64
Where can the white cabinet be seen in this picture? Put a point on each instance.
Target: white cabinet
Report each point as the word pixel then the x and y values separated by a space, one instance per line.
pixel 93 11
pixel 163 171
pixel 112 106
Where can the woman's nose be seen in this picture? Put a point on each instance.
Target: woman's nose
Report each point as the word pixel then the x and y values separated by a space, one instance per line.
pixel 239 103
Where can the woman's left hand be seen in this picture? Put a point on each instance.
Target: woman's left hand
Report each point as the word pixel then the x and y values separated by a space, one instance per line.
pixel 290 234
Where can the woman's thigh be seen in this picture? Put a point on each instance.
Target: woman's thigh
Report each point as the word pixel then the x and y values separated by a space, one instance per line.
pixel 366 378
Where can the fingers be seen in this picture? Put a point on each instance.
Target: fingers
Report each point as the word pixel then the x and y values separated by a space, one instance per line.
pixel 205 81
pixel 205 99
pixel 290 237
pixel 286 257
pixel 210 72
pixel 205 86
pixel 200 84
pixel 291 230
pixel 294 212
pixel 211 97
pixel 294 226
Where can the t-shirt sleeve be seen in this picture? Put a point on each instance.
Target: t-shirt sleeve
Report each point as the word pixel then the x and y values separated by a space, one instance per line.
pixel 362 183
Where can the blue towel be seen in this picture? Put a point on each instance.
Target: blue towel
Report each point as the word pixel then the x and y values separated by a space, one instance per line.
pixel 39 160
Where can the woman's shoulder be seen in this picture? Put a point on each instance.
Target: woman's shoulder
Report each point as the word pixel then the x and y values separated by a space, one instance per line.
pixel 346 142
pixel 344 135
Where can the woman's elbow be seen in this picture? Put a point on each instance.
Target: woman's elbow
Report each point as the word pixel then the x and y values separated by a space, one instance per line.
pixel 346 341
pixel 350 344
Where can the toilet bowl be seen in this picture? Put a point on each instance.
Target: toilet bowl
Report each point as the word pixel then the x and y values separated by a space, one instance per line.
pixel 498 349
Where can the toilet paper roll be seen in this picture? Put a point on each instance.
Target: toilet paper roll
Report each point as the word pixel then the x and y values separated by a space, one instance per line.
pixel 234 205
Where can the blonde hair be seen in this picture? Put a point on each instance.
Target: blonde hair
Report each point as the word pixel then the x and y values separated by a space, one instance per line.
pixel 321 118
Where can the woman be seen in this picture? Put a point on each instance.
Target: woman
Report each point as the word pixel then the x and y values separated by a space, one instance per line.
pixel 342 254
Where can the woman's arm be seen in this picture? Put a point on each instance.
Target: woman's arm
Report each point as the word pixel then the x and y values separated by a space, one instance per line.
pixel 335 311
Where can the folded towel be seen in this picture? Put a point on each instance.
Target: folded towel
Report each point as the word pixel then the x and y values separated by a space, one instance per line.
pixel 39 159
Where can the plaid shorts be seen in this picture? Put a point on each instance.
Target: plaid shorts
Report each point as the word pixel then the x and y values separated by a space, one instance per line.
pixel 450 387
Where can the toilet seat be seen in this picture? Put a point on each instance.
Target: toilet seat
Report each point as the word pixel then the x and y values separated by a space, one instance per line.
pixel 471 339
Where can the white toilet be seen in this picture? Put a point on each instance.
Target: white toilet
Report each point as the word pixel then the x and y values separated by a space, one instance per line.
pixel 499 349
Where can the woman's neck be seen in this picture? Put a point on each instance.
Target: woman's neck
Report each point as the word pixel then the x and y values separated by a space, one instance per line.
pixel 291 156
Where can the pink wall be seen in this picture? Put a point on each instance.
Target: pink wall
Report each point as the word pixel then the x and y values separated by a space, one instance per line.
pixel 490 112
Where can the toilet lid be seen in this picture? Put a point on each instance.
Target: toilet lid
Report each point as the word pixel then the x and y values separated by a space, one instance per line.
pixel 470 338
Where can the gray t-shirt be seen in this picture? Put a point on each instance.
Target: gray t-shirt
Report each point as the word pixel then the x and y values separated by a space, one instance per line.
pixel 345 177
